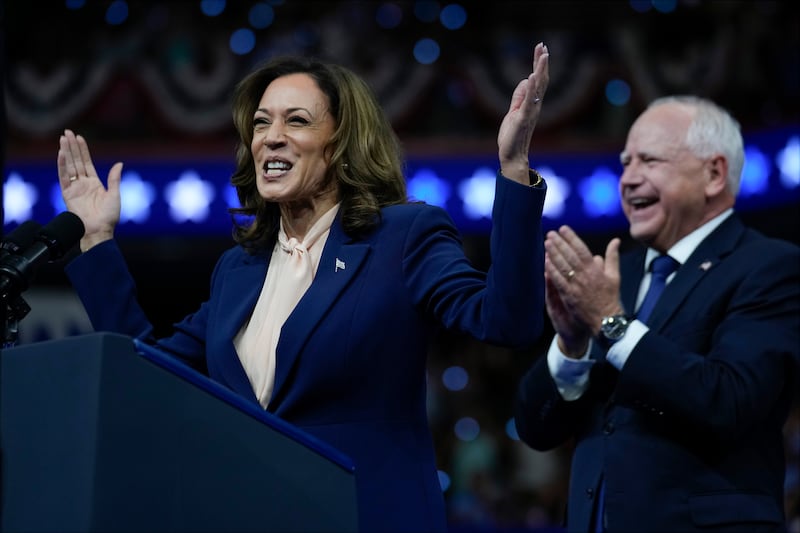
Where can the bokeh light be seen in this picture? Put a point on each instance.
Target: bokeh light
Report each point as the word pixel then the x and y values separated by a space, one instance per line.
pixel 117 12
pixel 453 16
pixel 426 51
pixel 618 92
pixel 242 41
pixel 212 8
pixel 388 15
pixel 455 378
pixel 261 16
pixel 467 429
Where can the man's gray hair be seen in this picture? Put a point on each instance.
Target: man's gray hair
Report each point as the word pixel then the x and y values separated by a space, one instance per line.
pixel 713 131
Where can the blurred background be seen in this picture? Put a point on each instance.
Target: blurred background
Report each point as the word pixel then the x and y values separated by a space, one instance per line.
pixel 148 83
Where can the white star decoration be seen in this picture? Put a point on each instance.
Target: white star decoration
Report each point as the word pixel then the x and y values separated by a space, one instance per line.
pixel 558 190
pixel 137 197
pixel 189 197
pixel 19 197
pixel 477 193
pixel 788 161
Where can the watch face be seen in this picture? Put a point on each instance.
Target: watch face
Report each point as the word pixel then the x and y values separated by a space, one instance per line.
pixel 614 327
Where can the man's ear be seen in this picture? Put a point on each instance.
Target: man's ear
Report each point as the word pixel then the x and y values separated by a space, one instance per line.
pixel 716 175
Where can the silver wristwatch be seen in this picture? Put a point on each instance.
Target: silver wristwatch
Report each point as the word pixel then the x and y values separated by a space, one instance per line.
pixel 614 327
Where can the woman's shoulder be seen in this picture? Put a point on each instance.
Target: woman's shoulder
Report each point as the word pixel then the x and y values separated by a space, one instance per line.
pixel 411 210
pixel 415 218
pixel 238 254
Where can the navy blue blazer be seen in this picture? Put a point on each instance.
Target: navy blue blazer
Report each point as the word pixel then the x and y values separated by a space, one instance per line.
pixel 351 361
pixel 688 435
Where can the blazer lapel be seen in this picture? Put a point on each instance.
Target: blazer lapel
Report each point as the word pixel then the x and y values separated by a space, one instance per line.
pixel 338 266
pixel 241 289
pixel 631 272
pixel 708 254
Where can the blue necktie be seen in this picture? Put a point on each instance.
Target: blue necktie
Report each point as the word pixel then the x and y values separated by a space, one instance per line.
pixel 661 267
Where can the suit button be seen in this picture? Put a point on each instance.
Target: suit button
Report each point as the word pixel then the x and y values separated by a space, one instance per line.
pixel 589 493
pixel 608 429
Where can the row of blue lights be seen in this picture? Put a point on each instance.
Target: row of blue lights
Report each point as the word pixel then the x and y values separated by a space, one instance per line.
pixel 176 197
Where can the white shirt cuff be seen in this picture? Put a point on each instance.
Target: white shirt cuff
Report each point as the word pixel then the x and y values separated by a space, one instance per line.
pixel 620 351
pixel 570 375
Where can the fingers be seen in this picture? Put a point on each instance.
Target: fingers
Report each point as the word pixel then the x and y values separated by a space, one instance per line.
pixel 66 164
pixel 74 159
pixel 540 76
pixel 612 258
pixel 114 178
pixel 556 266
pixel 86 158
pixel 568 253
pixel 554 269
pixel 518 96
pixel 530 91
pixel 575 243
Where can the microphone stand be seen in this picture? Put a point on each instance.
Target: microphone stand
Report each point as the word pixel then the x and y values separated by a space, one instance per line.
pixel 14 312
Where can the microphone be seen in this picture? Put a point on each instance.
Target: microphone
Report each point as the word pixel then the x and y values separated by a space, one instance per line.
pixel 50 243
pixel 23 236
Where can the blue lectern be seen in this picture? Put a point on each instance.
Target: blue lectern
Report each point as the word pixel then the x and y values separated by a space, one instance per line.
pixel 99 433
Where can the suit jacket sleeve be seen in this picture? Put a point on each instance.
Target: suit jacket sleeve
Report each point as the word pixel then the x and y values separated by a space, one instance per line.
pixel 502 306
pixel 108 292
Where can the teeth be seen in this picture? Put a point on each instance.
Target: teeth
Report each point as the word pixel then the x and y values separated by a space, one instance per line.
pixel 278 165
pixel 640 201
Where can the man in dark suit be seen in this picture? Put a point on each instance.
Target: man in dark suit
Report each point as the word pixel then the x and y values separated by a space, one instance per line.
pixel 676 417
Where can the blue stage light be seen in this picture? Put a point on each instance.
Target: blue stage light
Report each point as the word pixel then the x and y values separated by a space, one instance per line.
pixel 455 378
pixel 467 429
pixel 426 186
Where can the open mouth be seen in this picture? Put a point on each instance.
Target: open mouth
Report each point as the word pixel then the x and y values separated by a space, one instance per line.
pixel 276 168
pixel 641 203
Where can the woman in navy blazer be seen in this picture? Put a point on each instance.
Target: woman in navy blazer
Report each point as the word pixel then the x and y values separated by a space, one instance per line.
pixel 350 359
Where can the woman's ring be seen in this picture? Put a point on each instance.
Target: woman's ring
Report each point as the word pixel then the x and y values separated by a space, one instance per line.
pixel 73 178
pixel 570 274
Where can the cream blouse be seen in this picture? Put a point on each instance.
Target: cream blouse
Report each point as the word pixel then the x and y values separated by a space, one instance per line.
pixel 291 270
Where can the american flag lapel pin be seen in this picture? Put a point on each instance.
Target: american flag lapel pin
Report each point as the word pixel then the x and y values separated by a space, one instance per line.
pixel 705 265
pixel 339 265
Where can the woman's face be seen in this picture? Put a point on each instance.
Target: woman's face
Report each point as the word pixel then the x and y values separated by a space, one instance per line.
pixel 291 129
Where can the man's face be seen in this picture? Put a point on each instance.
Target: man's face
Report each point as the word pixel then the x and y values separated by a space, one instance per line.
pixel 663 184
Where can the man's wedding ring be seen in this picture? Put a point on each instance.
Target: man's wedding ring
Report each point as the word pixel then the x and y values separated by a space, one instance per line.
pixel 570 274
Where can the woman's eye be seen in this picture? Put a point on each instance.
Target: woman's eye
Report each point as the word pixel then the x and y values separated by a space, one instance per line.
pixel 297 120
